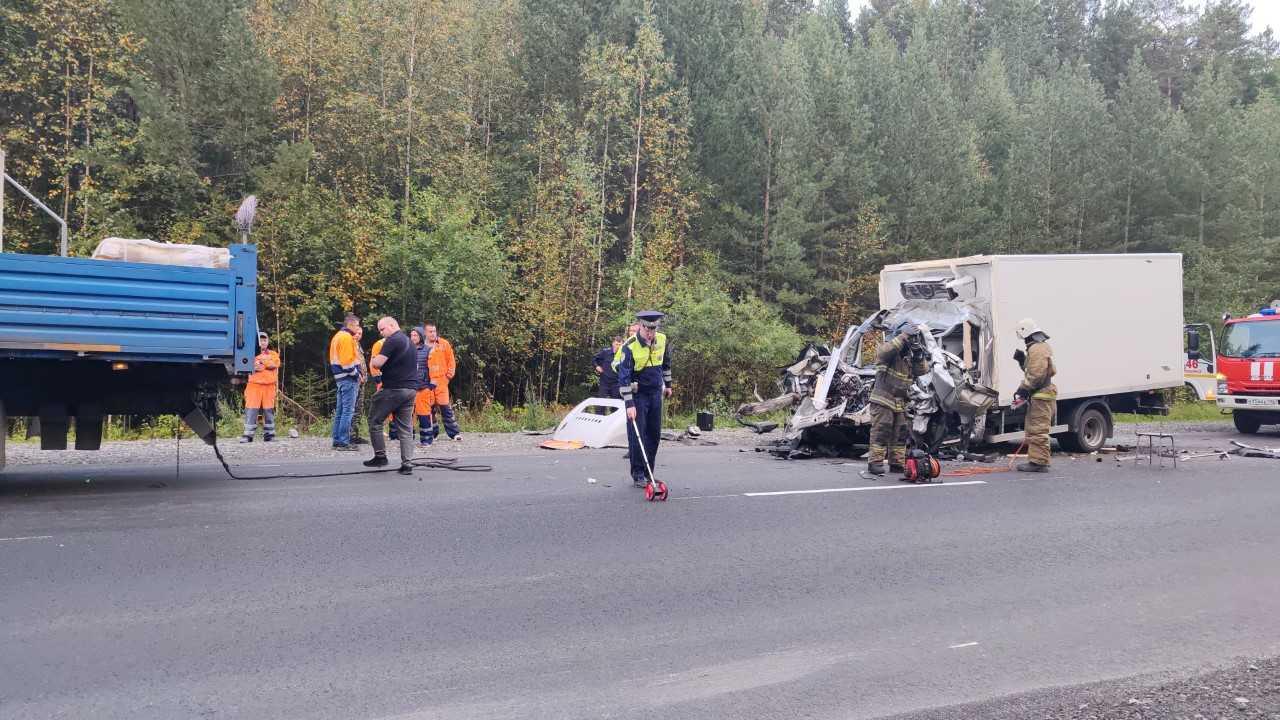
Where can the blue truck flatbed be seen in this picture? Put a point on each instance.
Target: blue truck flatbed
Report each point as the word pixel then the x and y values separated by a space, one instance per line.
pixel 82 338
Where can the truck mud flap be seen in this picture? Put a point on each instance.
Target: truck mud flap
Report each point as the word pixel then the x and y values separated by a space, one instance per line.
pixel 88 427
pixel 199 424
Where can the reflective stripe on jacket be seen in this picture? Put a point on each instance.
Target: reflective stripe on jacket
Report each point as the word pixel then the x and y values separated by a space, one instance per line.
pixel 641 366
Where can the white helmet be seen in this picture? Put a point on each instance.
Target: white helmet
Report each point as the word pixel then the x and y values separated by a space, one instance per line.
pixel 1026 328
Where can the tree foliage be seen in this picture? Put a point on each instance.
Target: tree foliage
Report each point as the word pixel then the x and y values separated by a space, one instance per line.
pixel 528 174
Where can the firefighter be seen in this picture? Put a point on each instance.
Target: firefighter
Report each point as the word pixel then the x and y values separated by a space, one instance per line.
pixel 1038 392
pixel 441 365
pixel 260 392
pixel 896 369
pixel 644 378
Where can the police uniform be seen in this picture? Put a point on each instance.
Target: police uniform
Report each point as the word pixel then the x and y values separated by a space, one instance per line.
pixel 895 371
pixel 644 372
pixel 608 377
pixel 1041 394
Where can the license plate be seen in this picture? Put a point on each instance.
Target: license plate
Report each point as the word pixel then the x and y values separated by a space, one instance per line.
pixel 1261 402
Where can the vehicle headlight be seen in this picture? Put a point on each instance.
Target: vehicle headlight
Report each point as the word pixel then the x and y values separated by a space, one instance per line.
pixel 1222 385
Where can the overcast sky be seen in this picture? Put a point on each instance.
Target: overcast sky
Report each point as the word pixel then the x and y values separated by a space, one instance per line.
pixel 1265 12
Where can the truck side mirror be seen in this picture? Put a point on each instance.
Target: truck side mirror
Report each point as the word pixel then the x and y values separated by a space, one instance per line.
pixel 1193 343
pixel 1193 354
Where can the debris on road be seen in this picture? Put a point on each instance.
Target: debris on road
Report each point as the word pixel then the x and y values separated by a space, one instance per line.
pixel 1250 451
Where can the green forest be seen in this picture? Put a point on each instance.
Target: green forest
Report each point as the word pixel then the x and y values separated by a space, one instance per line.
pixel 528 173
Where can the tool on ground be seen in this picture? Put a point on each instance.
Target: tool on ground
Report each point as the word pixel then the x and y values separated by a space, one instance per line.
pixel 1221 455
pixel 921 467
pixel 655 489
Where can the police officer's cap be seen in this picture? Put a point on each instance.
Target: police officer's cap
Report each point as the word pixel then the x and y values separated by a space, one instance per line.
pixel 650 318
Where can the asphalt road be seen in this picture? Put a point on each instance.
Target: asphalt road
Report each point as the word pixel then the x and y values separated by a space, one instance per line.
pixel 530 593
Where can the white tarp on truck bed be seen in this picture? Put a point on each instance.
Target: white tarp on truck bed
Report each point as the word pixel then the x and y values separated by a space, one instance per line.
pixel 158 253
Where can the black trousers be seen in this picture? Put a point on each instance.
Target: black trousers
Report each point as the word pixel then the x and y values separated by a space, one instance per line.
pixel 649 420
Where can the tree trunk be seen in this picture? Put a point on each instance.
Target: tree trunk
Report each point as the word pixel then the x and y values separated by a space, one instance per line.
pixel 88 141
pixel 635 171
pixel 604 181
pixel 306 106
pixel 1200 231
pixel 66 151
pixel 1128 208
pixel 635 176
pixel 408 137
pixel 768 190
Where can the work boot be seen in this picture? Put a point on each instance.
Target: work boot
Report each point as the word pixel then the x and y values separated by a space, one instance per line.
pixel 1032 467
pixel 266 438
pixel 639 482
pixel 405 469
pixel 896 469
pixel 376 461
pixel 246 439
pixel 345 448
pixel 875 468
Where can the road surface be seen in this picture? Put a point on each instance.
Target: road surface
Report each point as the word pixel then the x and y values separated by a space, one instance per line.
pixel 763 589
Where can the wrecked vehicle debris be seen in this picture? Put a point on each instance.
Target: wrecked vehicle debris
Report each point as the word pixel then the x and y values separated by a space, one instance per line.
pixel 832 414
pixel 1117 347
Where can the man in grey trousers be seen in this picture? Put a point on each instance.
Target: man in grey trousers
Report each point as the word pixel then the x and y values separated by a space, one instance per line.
pixel 397 361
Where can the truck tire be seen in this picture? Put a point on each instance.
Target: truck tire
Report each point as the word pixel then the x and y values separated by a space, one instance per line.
pixel 1088 432
pixel 1247 423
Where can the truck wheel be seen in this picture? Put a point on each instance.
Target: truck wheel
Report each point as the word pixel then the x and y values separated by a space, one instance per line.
pixel 1246 423
pixel 1088 433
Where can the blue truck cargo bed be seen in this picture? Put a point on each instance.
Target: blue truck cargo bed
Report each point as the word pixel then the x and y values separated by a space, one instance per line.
pixel 54 307
pixel 81 339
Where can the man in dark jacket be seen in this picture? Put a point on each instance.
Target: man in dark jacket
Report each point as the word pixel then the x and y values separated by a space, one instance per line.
pixel 422 401
pixel 603 365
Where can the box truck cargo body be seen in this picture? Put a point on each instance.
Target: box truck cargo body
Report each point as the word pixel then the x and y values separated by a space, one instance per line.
pixel 1114 322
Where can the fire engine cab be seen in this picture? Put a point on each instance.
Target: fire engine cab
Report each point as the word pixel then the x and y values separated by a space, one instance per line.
pixel 1248 369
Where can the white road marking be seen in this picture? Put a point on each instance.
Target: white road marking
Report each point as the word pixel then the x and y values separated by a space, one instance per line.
pixel 29 537
pixel 961 645
pixel 860 489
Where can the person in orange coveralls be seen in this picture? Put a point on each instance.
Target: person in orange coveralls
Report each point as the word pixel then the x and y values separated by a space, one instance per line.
pixel 260 393
pixel 441 366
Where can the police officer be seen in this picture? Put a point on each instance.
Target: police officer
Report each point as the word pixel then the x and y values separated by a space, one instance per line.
pixel 602 363
pixel 643 365
pixel 896 369
pixel 1038 392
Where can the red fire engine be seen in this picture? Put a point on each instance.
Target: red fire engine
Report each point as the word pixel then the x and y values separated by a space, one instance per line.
pixel 1249 369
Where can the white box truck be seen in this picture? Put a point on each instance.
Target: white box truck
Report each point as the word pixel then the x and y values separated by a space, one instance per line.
pixel 1114 321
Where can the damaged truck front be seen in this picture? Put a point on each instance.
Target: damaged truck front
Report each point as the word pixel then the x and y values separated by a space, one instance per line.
pixel 1115 323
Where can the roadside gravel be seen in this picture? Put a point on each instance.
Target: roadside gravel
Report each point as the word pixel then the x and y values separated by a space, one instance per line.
pixel 311 449
pixel 1250 689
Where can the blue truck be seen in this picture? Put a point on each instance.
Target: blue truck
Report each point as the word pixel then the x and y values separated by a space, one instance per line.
pixel 81 339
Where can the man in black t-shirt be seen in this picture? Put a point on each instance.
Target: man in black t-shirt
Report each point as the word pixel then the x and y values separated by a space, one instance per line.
pixel 397 360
